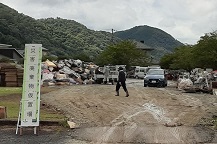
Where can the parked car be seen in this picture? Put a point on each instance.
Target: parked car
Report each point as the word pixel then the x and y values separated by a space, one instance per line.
pixel 155 77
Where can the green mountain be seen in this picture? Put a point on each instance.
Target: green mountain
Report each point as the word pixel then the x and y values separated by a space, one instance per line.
pixel 69 38
pixel 155 38
pixel 60 36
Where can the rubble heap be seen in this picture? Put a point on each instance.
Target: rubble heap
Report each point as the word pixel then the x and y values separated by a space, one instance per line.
pixel 197 80
pixel 62 72
pixel 67 72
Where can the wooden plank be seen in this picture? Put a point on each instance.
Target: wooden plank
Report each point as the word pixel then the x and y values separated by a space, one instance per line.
pixel 11 72
pixel 3 112
pixel 11 79
pixel 11 84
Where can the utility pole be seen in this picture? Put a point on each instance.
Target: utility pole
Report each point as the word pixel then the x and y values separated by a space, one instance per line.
pixel 113 35
pixel 112 38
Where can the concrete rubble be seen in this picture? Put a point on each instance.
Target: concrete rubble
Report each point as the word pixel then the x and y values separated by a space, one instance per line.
pixel 67 72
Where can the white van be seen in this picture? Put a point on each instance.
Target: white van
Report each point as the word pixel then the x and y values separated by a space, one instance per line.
pixel 140 72
pixel 153 67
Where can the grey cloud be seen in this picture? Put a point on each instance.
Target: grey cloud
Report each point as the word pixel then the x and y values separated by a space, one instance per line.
pixel 167 23
pixel 48 2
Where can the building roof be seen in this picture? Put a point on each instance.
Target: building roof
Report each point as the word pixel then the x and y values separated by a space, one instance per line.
pixel 11 49
pixel 44 49
pixel 21 51
pixel 4 45
pixel 7 46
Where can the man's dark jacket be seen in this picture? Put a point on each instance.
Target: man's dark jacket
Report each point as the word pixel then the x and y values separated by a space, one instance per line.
pixel 121 76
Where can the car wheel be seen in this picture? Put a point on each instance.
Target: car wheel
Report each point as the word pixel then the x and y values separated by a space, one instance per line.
pixel 165 84
pixel 112 82
pixel 161 84
pixel 99 81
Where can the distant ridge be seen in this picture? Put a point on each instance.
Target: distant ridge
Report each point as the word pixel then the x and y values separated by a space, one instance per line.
pixel 155 38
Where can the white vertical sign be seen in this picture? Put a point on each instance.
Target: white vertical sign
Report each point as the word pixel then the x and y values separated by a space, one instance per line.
pixel 31 85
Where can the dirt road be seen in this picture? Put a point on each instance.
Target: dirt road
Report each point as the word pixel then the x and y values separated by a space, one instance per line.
pixel 148 115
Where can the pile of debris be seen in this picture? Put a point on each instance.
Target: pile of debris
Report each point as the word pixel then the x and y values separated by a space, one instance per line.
pixel 67 72
pixel 11 75
pixel 197 80
pixel 62 72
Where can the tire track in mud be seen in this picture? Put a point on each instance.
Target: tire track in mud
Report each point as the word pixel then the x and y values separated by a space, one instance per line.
pixel 187 99
pixel 192 107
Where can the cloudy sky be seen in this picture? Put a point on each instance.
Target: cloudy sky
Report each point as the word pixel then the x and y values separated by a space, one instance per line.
pixel 185 20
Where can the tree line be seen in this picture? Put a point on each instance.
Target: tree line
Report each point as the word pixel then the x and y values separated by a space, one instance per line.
pixel 201 55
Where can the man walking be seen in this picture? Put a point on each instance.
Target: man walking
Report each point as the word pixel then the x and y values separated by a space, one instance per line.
pixel 121 82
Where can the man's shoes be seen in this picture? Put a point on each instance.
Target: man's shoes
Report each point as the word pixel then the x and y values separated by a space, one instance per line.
pixel 127 94
pixel 117 93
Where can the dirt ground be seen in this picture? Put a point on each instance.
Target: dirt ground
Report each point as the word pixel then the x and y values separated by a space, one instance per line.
pixel 148 115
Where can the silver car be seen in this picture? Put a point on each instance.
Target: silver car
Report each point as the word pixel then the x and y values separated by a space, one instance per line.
pixel 155 77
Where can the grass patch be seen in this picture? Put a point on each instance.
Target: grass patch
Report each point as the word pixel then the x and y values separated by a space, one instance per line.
pixel 51 115
pixel 12 108
pixel 10 90
pixel 10 98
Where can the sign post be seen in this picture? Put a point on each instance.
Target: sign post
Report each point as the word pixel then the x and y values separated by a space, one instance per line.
pixel 30 102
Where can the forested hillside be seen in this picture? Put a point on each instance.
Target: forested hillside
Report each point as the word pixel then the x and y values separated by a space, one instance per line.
pixel 161 41
pixel 73 37
pixel 60 36
pixel 68 38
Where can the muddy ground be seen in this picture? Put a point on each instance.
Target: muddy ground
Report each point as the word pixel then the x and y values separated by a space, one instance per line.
pixel 148 115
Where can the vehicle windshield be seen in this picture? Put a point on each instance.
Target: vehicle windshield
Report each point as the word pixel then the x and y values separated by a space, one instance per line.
pixel 155 72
